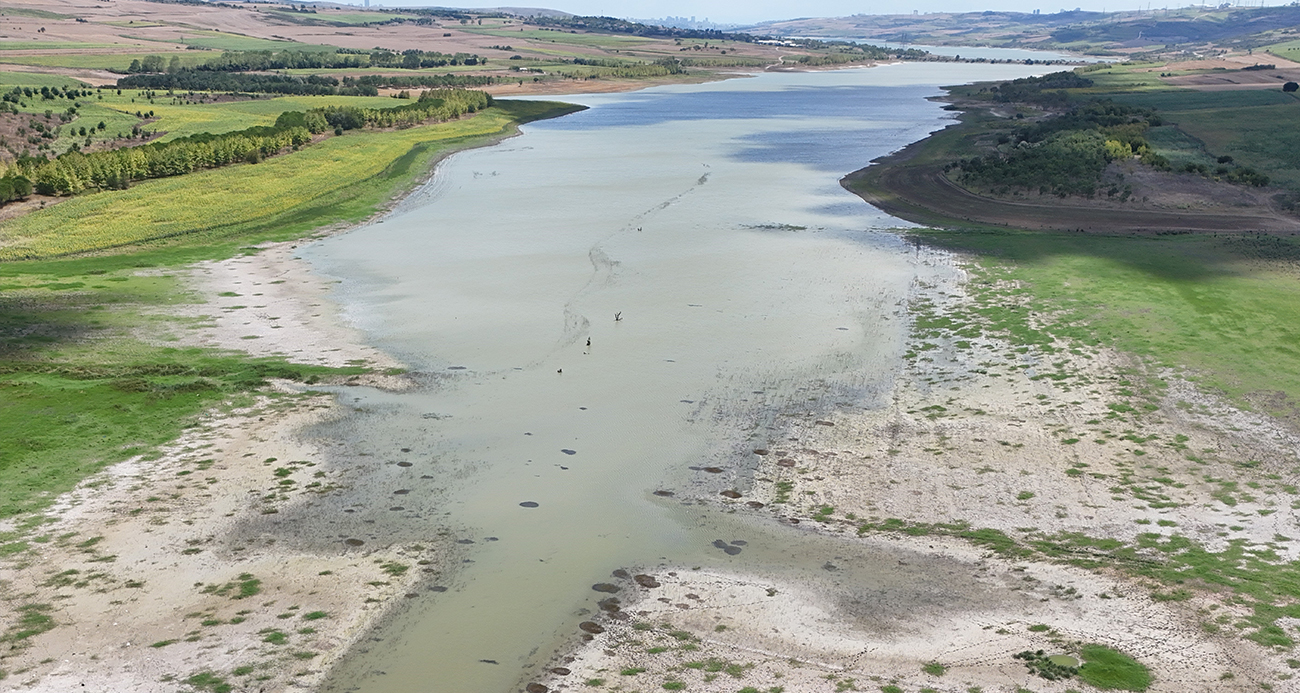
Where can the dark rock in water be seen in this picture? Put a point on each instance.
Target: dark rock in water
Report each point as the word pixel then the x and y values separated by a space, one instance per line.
pixel 353 542
pixel 696 469
pixel 591 627
pixel 569 452
pixel 665 494
pixel 489 661
pixel 760 451
pixel 823 423
pixel 528 504
pixel 406 449
pixel 401 492
pixel 730 493
pixel 411 595
pixel 610 604
pixel 621 574
pixel 754 504
pixel 536 688
pixel 455 368
pixel 491 539
pixel 403 464
pixel 739 542
pixel 713 470
pixel 561 671
pixel 829 566
pixel 605 587
pixel 787 462
pixel 464 541
pixel 588 637
pixel 438 588
pixel 619 615
pixel 726 548
pixel 646 581
pixel 397 507
pixel 426 476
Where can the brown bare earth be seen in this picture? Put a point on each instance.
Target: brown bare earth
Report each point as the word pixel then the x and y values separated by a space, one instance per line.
pixel 140 27
pixel 921 193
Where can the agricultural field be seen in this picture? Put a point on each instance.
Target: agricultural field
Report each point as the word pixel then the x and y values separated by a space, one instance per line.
pixel 10 79
pixel 562 37
pixel 179 119
pixel 115 62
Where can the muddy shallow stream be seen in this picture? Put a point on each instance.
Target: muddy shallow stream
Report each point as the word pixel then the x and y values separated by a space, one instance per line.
pixel 748 288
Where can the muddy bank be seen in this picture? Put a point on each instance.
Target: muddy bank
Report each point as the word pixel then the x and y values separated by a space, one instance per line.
pixel 1010 479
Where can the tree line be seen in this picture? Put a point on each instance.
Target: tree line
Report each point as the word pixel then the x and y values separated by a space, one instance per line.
pixel 75 172
pixel 1067 154
pixel 186 80
pixel 308 85
pixel 252 61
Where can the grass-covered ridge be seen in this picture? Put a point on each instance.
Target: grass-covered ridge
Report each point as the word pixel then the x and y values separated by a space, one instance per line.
pixel 340 179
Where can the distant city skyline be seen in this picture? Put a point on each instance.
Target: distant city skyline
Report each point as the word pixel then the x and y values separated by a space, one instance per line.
pixel 754 11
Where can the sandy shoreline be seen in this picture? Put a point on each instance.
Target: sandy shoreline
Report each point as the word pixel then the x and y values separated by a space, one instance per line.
pixel 147 569
pixel 998 447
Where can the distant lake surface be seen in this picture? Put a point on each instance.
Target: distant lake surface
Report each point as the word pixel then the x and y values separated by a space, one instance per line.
pixel 748 287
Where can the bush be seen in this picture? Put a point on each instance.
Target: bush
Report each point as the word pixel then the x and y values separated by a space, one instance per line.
pixel 1290 87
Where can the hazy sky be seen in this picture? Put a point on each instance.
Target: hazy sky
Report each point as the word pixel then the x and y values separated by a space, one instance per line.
pixel 747 11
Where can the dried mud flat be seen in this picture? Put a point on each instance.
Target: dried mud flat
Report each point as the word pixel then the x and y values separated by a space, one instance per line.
pixel 981 434
pixel 168 567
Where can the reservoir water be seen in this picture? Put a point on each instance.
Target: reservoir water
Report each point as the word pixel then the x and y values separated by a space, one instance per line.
pixel 592 310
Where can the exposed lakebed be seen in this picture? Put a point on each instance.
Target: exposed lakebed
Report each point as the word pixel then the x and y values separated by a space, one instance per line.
pixel 607 315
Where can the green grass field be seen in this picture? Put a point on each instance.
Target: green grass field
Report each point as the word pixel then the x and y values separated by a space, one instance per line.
pixel 10 79
pixel 1225 308
pixel 50 45
pixel 1263 137
pixel 103 61
pixel 281 193
pixel 35 14
pixel 1287 49
pixel 1188 100
pixel 183 120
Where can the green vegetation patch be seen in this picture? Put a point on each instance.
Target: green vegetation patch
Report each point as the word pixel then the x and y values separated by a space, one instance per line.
pixel 242 587
pixel 340 179
pixel 1110 670
pixel 1224 307
pixel 33 619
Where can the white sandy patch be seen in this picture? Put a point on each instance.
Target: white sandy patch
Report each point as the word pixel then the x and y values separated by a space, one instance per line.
pixel 721 632
pixel 271 304
pixel 149 541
